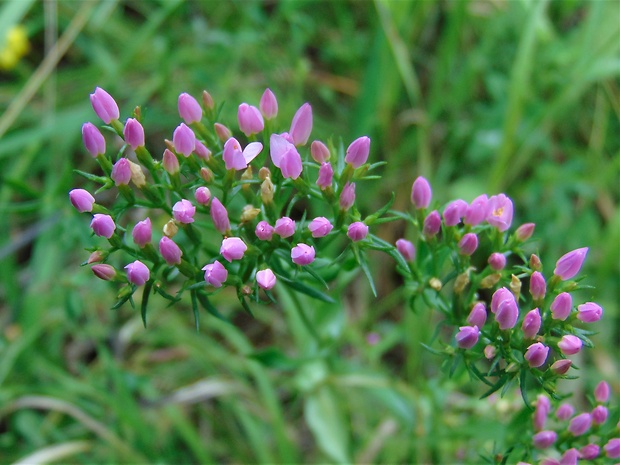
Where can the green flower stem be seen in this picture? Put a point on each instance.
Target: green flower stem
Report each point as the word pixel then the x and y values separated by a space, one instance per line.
pixel 105 163
pixel 127 193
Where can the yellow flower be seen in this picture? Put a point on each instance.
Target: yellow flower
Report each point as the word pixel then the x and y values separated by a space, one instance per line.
pixel 16 45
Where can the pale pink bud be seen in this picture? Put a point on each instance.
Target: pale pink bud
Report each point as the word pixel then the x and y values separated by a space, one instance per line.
pixel 490 352
pixel 564 412
pixel 207 100
pixel 202 151
pixel 468 244
pixel 500 212
pixel 535 262
pixel 170 162
pixel 531 324
pixel 137 273
pixel 103 225
pixel 569 264
pixel 357 231
pixel 266 279
pixel 301 126
pixel 290 164
pixel 476 211
pixel 601 392
pixel 544 439
pixel 570 345
pixel 538 286
pixel 285 227
pixel 580 424
pixel 97 256
pixel 570 457
pixel 203 195
pixel 184 140
pixel 81 200
pixel 467 337
pixel 561 366
pixel 104 105
pixel 507 313
pixel 121 172
pixel 264 231
pixel 347 196
pixel 133 133
pixel 454 211
pixel 326 176
pixel 215 273
pixel 189 108
pixel 524 232
pixel 421 193
pixel 497 261
pixel 478 315
pixel 219 215
pixel 302 254
pixel 170 251
pixel 499 296
pixel 268 104
pixel 320 227
pixel 222 132
pixel 543 406
pixel 233 248
pixel 590 451
pixel 432 224
pixel 93 139
pixel 589 312
pixel 250 119
pixel 103 271
pixel 142 232
pixel 599 414
pixel 612 448
pixel 183 211
pixel 357 152
pixel 561 306
pixel 536 354
pixel 406 249
pixel 319 152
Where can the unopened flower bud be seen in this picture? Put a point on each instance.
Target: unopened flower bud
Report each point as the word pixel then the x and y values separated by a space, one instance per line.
pixel 601 392
pixel 302 254
pixel 490 352
pixel 104 105
pixel 561 366
pixel 133 132
pixel 93 139
pixel 267 191
pixel 215 274
pixel 543 406
pixel 219 215
pixel 421 193
pixel 121 172
pixel 233 248
pixel 206 174
pixel 248 213
pixel 454 211
pixel 264 173
pixel 531 324
pixel 189 108
pixel 435 283
pixel 406 249
pixel 266 279
pixel 183 211
pixel 326 176
pixel 564 411
pixel 170 251
pixel 569 264
pixel 536 354
pixel 301 126
pixel 515 286
pixel 320 227
pixel 599 414
pixel 81 200
pixel 103 225
pixel 570 345
pixel 468 244
pixel 467 337
pixel 97 256
pixel 535 263
pixel 476 211
pixel 170 229
pixel 538 286
pixel 589 312
pixel 203 195
pixel 490 281
pixel 612 448
pixel 207 100
pixel 497 261
pixel 580 424
pixel 184 140
pixel 432 224
pixel 137 175
pixel 478 315
pixel 170 162
pixel 589 451
pixel 561 306
pixel 142 232
pixel 104 271
pixel 319 152
pixel 137 273
pixel 264 231
pixel 524 232
pixel 544 439
pixel 357 231
pixel 250 119
pixel 357 152
pixel 461 282
pixel 202 151
pixel 347 197
pixel 285 227
pixel 268 104
pixel 222 132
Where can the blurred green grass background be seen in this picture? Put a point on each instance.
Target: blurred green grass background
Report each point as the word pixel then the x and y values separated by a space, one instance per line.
pixel 520 97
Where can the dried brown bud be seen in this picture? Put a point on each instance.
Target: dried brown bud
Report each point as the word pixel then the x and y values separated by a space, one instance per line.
pixel 248 213
pixel 207 100
pixel 170 229
pixel 137 175
pixel 435 283
pixel 489 281
pixel 515 287
pixel 266 191
pixel 264 173
pixel 535 263
pixel 206 174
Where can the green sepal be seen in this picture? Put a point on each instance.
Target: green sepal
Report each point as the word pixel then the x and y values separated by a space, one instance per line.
pixel 145 299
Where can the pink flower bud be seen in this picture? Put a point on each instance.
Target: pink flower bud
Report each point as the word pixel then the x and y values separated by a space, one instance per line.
pixel 103 225
pixel 507 313
pixel 599 414
pixel 93 139
pixel 580 424
pixel 524 232
pixel 290 164
pixel 421 193
pixel 601 392
pixel 497 261
pixel 549 461
pixel 589 312
pixel 561 306
pixel 301 126
pixel 133 133
pixel 357 231
pixel 233 155
pixel 264 231
pixel 202 151
pixel 97 256
pixel 500 212
pixel 81 200
pixel 105 272
pixel 453 212
pixel 121 172
pixel 561 366
pixel 543 406
pixel 347 196
pixel 183 211
pixel 612 448
pixel 467 337
pixel 406 249
pixel 531 324
pixel 222 132
pixel 266 279
pixel 326 176
pixel 170 251
pixel 536 354
pixel 499 296
pixel 476 211
pixel 233 248
pixel 170 162
pixel 468 244
pixel 432 224
pixel 490 352
pixel 589 452
pixel 137 273
pixel 189 108
pixel 142 232
pixel 320 227
pixel 203 195
pixel 215 274
pixel 570 457
pixel 219 215
pixel 184 140
pixel 570 345
pixel 268 104
pixel 104 105
pixel 544 439
pixel 319 152
pixel 569 264
pixel 357 152
pixel 302 254
pixel 250 119
pixel 285 227
pixel 478 315
pixel 564 411
pixel 538 286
